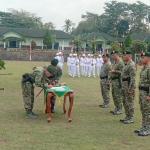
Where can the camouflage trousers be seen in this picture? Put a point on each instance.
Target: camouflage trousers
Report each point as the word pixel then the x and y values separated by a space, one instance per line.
pixel 144 107
pixel 28 95
pixel 117 93
pixel 128 100
pixel 105 90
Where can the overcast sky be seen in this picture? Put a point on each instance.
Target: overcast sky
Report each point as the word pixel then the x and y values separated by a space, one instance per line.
pixel 57 11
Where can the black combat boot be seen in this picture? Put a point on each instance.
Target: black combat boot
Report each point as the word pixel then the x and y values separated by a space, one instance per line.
pixel 140 130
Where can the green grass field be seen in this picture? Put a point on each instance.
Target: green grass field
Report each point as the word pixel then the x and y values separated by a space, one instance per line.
pixel 92 128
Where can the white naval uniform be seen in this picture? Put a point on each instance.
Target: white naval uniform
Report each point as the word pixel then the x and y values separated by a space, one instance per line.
pixel 69 65
pixel 93 62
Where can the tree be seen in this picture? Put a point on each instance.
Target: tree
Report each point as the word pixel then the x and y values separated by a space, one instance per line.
pixel 48 38
pixel 138 46
pixel 68 26
pixel 2 64
pixel 114 46
pixel 148 47
pixel 49 25
pixel 33 44
pixel 123 47
pixel 128 41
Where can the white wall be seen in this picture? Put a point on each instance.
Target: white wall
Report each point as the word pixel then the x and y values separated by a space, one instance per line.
pixel 12 34
pixel 38 41
pixel 66 42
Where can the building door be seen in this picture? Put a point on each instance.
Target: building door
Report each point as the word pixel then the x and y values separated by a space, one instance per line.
pixel 56 45
pixel 99 47
pixel 12 44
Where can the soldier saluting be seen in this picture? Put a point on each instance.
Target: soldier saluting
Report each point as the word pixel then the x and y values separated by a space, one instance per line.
pixel 144 95
pixel 128 76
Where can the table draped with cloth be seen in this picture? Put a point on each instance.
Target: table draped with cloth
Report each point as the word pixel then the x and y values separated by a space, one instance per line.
pixel 58 91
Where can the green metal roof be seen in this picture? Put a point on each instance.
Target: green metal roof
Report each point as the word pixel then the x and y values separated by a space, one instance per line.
pixel 141 36
pixel 104 35
pixel 38 33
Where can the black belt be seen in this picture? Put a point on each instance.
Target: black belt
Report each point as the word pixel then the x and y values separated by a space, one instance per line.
pixel 105 77
pixel 115 78
pixel 26 78
pixel 126 79
pixel 144 88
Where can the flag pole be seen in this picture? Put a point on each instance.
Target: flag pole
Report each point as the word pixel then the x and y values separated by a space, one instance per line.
pixel 30 50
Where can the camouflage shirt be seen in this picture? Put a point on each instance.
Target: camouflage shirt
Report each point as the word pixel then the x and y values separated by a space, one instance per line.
pixel 117 66
pixel 38 77
pixel 145 77
pixel 106 67
pixel 129 70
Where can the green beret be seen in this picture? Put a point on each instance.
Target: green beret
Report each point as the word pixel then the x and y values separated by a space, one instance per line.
pixel 54 62
pixel 51 70
pixel 115 52
pixel 107 55
pixel 127 52
pixel 145 54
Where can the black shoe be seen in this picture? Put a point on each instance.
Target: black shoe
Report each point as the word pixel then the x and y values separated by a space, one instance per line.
pixel 105 105
pixel 101 105
pixel 144 133
pixel 112 111
pixel 128 121
pixel 118 112
pixel 137 131
pixel 122 120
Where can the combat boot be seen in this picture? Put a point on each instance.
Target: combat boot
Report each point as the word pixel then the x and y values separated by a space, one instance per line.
pixel 34 113
pixel 118 112
pixel 105 105
pixel 139 130
pixel 122 120
pixel 112 111
pixel 145 131
pixel 128 121
pixel 29 114
pixel 52 108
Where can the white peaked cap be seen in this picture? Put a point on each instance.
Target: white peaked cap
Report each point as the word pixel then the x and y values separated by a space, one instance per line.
pixel 56 53
pixel 70 54
pixel 59 53
pixel 99 55
pixel 74 54
pixel 83 55
pixel 89 54
pixel 92 55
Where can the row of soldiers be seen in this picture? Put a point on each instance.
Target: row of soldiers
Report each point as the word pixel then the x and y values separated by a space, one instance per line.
pixel 122 77
pixel 86 63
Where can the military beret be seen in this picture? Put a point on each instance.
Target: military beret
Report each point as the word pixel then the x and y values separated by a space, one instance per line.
pixel 51 70
pixel 115 52
pixel 145 54
pixel 107 55
pixel 54 62
pixel 127 52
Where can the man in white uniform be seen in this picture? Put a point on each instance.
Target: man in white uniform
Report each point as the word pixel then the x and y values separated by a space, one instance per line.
pixel 77 65
pixel 60 60
pixel 82 64
pixel 93 62
pixel 88 65
pixel 69 63
pixel 73 66
pixel 99 63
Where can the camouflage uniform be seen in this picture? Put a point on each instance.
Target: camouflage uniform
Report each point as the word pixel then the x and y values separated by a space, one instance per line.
pixel 115 79
pixel 144 91
pixel 105 89
pixel 128 76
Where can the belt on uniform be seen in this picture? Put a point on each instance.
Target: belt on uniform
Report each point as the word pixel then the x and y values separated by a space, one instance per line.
pixel 126 79
pixel 144 88
pixel 105 77
pixel 115 78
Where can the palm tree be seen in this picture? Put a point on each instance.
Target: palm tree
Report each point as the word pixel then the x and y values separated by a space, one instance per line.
pixel 68 26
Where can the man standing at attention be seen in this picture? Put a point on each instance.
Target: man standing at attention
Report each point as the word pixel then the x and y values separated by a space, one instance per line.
pixel 105 88
pixel 128 76
pixel 144 95
pixel 115 79
pixel 40 78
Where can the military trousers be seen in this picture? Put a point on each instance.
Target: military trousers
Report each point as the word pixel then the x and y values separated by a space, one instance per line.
pixel 128 100
pixel 28 95
pixel 144 107
pixel 105 91
pixel 117 93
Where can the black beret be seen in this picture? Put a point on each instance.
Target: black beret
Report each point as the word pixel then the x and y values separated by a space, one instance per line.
pixel 115 52
pixel 107 55
pixel 54 62
pixel 127 52
pixel 145 54
pixel 51 70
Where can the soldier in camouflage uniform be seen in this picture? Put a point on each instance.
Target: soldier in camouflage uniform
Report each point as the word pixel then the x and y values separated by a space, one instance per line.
pixel 144 95
pixel 40 78
pixel 128 77
pixel 56 77
pixel 105 88
pixel 115 79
